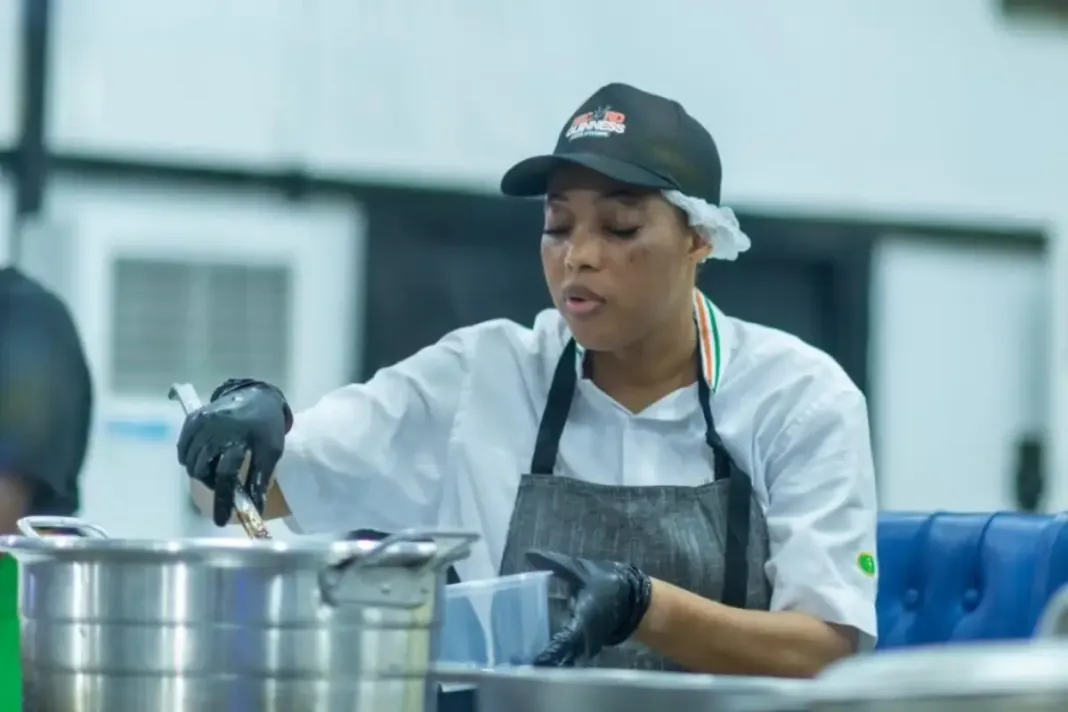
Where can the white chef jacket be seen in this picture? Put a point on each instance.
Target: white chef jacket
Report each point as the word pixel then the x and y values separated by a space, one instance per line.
pixel 441 439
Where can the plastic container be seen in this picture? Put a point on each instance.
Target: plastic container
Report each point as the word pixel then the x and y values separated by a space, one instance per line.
pixel 501 621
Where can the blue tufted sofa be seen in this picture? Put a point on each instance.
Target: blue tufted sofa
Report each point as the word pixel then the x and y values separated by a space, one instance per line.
pixel 955 577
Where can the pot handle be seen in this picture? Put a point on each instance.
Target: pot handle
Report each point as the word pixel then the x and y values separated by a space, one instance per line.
pixel 48 527
pixel 451 546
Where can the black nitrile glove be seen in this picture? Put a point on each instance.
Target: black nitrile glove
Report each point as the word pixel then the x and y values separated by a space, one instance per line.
pixel 610 601
pixel 243 416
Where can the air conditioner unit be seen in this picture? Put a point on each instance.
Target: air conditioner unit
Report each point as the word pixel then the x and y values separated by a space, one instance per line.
pixel 185 285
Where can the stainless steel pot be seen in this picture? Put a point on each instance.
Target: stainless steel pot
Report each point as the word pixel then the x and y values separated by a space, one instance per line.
pixel 1054 620
pixel 111 625
pixel 525 689
pixel 1006 677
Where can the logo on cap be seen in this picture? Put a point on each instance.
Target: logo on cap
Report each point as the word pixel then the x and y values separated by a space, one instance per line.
pixel 601 123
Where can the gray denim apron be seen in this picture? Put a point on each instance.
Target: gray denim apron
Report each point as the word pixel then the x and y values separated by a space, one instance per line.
pixel 711 540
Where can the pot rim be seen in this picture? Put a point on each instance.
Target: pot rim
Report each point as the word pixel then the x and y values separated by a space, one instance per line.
pixel 958 671
pixel 615 678
pixel 410 548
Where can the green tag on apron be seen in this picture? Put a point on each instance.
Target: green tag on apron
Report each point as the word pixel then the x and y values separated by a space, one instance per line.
pixel 10 647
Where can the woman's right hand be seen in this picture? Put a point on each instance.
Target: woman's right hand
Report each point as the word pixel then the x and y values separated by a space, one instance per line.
pixel 243 416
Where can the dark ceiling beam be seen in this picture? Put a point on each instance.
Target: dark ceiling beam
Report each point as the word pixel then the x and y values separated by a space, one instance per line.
pixel 30 155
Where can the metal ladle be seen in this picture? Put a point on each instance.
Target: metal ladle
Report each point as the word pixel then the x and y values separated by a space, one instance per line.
pixel 246 512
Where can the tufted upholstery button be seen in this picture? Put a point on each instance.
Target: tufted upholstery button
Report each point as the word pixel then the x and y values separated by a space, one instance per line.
pixel 932 565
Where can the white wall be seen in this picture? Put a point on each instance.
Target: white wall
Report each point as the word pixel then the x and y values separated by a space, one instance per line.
pixel 960 353
pixel 203 80
pixel 10 67
pixel 912 106
pixel 911 109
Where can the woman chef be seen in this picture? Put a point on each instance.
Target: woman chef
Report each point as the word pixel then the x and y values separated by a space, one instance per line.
pixel 704 483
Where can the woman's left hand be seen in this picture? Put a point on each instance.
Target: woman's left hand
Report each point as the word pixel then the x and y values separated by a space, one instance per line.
pixel 610 601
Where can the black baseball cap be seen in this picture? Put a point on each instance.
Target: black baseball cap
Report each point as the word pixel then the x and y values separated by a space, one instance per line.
pixel 631 136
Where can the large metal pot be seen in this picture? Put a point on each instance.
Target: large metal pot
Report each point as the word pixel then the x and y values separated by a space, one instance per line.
pixel 111 625
pixel 1054 620
pixel 1005 677
pixel 591 689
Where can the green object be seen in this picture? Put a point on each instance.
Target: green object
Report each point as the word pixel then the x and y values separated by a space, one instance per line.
pixel 10 655
pixel 866 562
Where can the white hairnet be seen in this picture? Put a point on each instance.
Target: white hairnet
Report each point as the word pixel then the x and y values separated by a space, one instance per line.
pixel 717 225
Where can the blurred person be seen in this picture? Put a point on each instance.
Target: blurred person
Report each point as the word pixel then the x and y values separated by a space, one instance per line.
pixel 705 485
pixel 45 402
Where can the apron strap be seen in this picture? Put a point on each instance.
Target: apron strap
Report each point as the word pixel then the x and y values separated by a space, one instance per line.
pixel 557 407
pixel 739 501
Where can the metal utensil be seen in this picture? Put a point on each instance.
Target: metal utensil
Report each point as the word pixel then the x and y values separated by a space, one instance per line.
pixel 246 512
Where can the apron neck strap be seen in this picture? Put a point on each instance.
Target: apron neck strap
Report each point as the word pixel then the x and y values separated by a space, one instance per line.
pixel 708 339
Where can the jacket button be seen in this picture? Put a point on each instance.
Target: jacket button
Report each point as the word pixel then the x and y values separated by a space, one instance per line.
pixel 970 599
pixel 911 599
